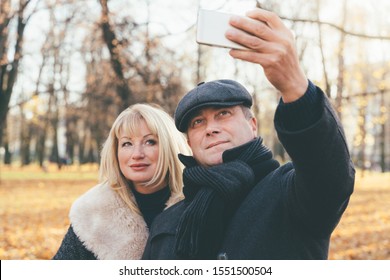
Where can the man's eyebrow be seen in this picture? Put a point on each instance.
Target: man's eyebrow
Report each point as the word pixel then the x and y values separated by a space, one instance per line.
pixel 195 114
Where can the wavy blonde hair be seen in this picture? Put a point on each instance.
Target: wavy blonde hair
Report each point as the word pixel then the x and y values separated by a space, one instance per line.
pixel 171 142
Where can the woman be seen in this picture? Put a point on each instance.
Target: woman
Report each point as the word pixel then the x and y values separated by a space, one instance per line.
pixel 140 176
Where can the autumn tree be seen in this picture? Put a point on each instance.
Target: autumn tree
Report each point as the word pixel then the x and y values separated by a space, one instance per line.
pixel 142 66
pixel 11 48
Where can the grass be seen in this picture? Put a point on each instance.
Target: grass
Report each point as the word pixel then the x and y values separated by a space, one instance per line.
pixel 51 172
pixel 34 208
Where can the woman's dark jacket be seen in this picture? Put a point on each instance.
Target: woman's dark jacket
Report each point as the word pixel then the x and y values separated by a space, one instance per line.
pixel 292 212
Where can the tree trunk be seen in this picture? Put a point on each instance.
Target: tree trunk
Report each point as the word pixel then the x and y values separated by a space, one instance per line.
pixel 8 72
pixel 326 78
pixel 82 150
pixel 113 46
pixel 70 146
pixel 199 76
pixel 54 155
pixel 40 147
pixel 382 142
pixel 341 66
pixel 25 141
pixel 362 128
pixel 7 153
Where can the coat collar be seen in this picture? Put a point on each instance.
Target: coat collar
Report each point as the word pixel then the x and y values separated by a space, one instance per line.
pixel 106 225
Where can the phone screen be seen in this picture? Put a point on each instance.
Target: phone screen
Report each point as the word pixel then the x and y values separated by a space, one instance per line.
pixel 211 29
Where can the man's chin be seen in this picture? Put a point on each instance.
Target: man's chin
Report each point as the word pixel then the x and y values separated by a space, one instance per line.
pixel 214 160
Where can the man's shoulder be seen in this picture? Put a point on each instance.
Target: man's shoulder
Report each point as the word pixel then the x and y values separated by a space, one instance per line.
pixel 275 181
pixel 278 172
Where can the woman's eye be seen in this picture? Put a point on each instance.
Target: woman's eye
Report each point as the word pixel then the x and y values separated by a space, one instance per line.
pixel 126 144
pixel 151 142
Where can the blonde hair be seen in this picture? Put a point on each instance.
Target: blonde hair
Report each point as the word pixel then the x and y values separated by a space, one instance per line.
pixel 171 142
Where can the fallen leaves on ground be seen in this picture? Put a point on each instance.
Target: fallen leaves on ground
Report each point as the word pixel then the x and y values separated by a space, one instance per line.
pixel 34 217
pixel 364 230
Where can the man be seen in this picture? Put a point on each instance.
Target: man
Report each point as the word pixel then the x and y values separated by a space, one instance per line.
pixel 239 203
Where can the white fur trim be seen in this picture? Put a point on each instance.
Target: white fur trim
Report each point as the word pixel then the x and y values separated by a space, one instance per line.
pixel 106 225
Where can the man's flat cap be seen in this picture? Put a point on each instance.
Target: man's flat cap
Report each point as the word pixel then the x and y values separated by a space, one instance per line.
pixel 219 93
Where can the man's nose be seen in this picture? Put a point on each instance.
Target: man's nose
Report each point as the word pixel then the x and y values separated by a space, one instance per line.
pixel 212 128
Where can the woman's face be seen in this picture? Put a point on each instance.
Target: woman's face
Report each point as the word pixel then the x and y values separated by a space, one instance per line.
pixel 138 156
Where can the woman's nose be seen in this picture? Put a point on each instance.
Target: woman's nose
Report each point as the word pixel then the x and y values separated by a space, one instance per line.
pixel 138 152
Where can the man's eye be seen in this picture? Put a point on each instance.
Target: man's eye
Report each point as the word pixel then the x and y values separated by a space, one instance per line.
pixel 223 113
pixel 196 122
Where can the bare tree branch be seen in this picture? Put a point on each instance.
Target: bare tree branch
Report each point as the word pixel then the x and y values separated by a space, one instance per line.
pixel 339 28
pixel 114 47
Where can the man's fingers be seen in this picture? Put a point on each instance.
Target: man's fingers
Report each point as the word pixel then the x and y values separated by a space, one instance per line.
pixel 273 22
pixel 250 56
pixel 270 18
pixel 252 27
pixel 245 39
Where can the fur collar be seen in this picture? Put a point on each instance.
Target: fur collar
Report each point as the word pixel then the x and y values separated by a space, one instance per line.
pixel 107 227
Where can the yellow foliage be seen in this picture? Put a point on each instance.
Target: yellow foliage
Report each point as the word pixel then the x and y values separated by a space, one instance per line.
pixel 34 217
pixel 364 230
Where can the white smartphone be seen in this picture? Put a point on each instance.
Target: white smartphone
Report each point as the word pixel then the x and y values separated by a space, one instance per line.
pixel 211 28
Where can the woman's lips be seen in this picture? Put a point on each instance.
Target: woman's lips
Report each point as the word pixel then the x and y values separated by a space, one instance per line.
pixel 139 166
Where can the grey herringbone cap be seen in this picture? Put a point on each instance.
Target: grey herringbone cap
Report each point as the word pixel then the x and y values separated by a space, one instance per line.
pixel 219 93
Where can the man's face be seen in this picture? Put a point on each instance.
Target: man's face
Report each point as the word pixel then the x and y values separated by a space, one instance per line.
pixel 213 130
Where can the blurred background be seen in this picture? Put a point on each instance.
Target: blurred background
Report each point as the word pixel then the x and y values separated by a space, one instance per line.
pixel 69 67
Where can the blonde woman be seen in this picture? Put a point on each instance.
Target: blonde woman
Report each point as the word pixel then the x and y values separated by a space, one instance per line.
pixel 140 176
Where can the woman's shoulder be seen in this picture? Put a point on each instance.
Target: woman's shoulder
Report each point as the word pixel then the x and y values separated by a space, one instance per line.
pixel 98 189
pixel 174 199
pixel 101 195
pixel 72 248
pixel 100 201
pixel 107 226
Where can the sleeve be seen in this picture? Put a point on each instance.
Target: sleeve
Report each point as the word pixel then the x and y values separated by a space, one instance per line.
pixel 302 112
pixel 147 251
pixel 324 174
pixel 72 248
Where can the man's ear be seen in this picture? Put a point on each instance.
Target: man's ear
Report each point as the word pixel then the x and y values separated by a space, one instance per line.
pixel 253 123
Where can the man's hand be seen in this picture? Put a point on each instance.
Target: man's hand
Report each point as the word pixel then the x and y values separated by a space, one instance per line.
pixel 272 46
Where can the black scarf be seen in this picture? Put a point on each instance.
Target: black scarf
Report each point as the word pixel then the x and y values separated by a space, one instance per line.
pixel 212 195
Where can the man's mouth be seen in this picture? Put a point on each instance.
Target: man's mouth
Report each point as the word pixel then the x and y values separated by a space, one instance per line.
pixel 216 144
